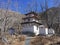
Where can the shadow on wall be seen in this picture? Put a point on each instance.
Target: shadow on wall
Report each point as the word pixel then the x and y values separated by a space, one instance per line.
pixel 28 33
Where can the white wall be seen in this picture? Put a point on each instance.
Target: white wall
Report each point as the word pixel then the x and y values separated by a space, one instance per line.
pixel 35 20
pixel 31 19
pixel 36 30
pixel 51 31
pixel 46 30
pixel 43 30
pixel 31 28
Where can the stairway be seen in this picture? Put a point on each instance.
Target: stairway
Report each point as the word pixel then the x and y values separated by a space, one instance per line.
pixel 27 41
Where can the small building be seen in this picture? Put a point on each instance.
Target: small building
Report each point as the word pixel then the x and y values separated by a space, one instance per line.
pixel 43 30
pixel 31 24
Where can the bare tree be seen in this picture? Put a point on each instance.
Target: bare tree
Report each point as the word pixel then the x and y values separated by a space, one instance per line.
pixel 17 24
pixel 45 13
pixel 5 16
pixel 52 13
pixel 56 3
pixel 44 9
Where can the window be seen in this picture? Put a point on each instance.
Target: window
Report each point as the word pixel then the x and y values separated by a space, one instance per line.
pixel 28 19
pixel 37 27
pixel 0 31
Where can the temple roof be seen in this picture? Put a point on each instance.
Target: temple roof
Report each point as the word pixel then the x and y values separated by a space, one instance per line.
pixel 31 13
pixel 31 22
pixel 35 17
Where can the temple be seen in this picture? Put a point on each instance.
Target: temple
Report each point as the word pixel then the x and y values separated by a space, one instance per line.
pixel 31 23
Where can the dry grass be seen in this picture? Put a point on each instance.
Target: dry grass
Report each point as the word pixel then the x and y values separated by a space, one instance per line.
pixel 44 40
pixel 1 43
pixel 15 40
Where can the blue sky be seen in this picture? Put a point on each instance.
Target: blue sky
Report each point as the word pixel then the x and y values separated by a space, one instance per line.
pixel 24 6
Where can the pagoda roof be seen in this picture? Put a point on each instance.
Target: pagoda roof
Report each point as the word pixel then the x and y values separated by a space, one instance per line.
pixel 31 22
pixel 32 12
pixel 35 17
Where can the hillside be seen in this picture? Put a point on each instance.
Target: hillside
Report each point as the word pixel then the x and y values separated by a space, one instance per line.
pixel 12 18
pixel 53 15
